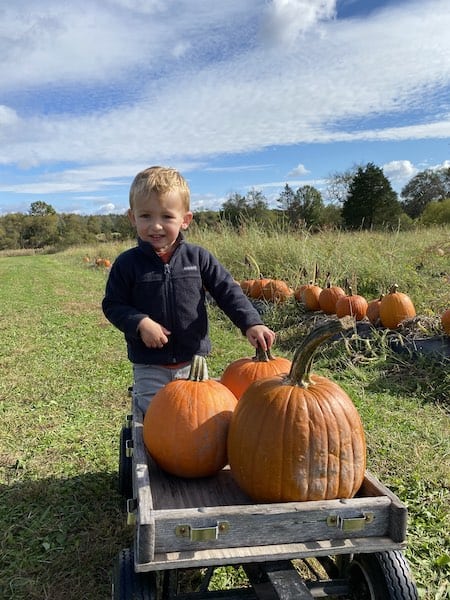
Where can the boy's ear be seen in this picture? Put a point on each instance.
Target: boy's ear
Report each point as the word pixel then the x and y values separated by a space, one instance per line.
pixel 187 219
pixel 130 214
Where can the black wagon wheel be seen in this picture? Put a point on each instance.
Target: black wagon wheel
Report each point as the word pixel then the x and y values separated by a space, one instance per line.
pixel 129 585
pixel 125 464
pixel 381 576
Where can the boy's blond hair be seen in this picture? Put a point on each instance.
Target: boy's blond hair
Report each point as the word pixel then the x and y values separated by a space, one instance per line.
pixel 160 180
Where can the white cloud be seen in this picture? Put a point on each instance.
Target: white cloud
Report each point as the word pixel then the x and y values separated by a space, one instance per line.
pixel 8 116
pixel 298 171
pixel 108 208
pixel 288 19
pixel 399 170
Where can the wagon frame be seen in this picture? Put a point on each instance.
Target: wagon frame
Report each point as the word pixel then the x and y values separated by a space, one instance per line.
pixel 201 524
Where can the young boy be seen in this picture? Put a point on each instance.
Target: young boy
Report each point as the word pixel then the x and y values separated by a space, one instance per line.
pixel 155 292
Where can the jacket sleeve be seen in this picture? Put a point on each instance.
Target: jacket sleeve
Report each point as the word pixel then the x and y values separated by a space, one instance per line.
pixel 228 294
pixel 116 304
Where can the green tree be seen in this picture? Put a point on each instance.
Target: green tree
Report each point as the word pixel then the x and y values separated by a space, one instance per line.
pixel 371 201
pixel 310 205
pixel 240 209
pixel 436 213
pixel 41 209
pixel 11 231
pixel 303 207
pixel 41 231
pixel 425 187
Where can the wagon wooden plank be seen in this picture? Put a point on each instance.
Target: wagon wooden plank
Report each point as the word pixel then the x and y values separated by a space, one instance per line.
pixel 233 556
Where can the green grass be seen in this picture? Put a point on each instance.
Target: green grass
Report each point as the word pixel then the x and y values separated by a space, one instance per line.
pixel 63 396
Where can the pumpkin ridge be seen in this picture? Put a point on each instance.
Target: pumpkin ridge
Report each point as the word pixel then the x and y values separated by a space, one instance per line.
pixel 358 445
pixel 333 442
pixel 289 430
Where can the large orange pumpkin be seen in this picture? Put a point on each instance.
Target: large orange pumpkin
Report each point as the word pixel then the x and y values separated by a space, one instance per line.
pixel 244 371
pixel 395 307
pixel 186 424
pixel 298 437
pixel 351 304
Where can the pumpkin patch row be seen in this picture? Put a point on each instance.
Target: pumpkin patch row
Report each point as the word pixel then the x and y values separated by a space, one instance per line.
pixel 264 288
pixel 389 309
pixel 287 434
pixel 98 262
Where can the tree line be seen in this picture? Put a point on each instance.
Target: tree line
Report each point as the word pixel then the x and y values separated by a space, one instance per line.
pixel 360 198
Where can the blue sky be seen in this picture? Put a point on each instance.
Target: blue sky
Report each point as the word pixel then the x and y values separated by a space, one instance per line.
pixel 237 95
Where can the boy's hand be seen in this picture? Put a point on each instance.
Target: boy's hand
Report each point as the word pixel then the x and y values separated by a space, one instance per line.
pixel 152 333
pixel 262 335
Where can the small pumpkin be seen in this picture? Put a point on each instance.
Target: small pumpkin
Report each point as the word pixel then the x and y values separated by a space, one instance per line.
pixel 299 291
pixel 256 290
pixel 186 424
pixel 395 307
pixel 276 290
pixel 298 437
pixel 445 321
pixel 311 295
pixel 352 304
pixel 241 373
pixel 328 298
pixel 246 285
pixel 373 310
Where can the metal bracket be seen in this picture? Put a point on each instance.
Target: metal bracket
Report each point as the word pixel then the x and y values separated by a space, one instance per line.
pixel 202 534
pixel 129 448
pixel 352 523
pixel 131 511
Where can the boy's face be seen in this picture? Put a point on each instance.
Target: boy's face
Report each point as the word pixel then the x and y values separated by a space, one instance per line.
pixel 159 218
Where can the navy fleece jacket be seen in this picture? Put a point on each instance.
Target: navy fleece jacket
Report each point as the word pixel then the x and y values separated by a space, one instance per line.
pixel 140 284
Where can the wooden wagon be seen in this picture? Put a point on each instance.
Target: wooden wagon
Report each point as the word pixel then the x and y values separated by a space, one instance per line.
pixel 349 548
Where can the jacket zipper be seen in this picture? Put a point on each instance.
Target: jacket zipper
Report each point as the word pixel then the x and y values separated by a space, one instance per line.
pixel 170 306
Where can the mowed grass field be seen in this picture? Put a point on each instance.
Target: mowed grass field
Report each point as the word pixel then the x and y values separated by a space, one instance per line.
pixel 63 397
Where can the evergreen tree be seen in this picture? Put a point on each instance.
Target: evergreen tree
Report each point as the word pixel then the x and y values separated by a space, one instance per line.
pixel 371 201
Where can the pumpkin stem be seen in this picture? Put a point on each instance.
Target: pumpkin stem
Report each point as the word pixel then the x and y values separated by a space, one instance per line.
pixel 199 369
pixel 394 288
pixel 251 262
pixel 303 358
pixel 262 355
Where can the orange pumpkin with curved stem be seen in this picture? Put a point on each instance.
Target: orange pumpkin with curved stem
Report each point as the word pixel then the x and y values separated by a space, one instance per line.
pixel 241 373
pixel 186 424
pixel 298 437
